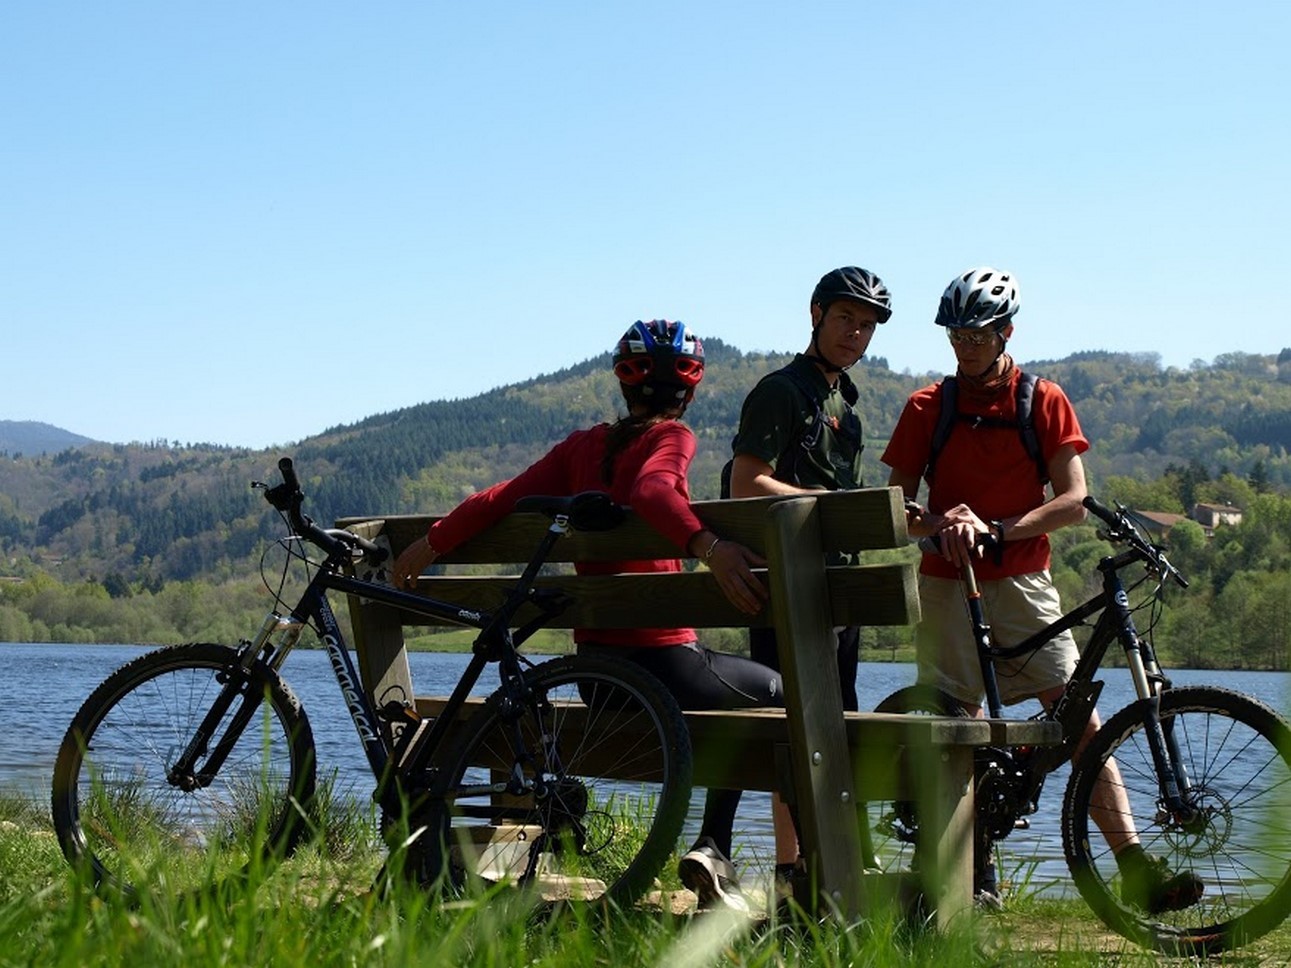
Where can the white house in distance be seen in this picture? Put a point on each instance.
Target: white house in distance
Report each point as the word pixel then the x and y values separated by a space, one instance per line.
pixel 1209 516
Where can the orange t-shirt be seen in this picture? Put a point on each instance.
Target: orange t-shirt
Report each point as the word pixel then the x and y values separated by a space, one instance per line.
pixel 986 467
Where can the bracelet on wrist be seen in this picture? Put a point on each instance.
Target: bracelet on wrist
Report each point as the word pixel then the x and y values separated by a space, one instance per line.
pixel 708 555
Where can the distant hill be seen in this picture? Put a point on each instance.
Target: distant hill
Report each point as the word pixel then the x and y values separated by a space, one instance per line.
pixel 27 437
pixel 152 513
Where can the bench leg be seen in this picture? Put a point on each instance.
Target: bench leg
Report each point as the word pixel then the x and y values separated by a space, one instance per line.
pixel 382 660
pixel 946 833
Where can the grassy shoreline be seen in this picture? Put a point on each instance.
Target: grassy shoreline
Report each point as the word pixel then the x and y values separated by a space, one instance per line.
pixel 317 911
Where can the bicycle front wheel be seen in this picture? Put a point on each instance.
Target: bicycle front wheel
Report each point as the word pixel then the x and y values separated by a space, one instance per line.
pixel 1234 832
pixel 579 792
pixel 127 817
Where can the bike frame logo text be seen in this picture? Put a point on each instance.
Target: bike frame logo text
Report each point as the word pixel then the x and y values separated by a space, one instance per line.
pixel 353 699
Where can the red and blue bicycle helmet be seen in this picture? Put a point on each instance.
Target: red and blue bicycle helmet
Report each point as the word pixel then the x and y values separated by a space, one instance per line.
pixel 657 354
pixel 979 298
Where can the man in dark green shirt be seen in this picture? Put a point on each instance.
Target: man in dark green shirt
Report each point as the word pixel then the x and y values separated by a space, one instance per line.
pixel 798 429
pixel 798 432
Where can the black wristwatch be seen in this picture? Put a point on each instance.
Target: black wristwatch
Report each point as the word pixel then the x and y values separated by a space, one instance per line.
pixel 998 528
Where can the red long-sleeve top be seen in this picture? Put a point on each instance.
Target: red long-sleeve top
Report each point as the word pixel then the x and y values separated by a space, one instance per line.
pixel 649 476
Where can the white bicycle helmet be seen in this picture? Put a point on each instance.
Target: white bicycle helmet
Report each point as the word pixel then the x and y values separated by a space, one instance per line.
pixel 979 298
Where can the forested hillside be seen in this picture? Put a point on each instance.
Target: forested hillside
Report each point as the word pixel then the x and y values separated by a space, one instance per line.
pixel 133 520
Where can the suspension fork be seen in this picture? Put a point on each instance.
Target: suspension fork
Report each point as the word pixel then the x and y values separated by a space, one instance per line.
pixel 275 640
pixel 183 773
pixel 1173 781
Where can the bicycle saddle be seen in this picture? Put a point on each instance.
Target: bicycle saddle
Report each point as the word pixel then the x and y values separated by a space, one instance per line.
pixel 586 511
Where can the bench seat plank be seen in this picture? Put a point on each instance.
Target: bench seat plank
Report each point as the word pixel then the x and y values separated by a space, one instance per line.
pixel 732 745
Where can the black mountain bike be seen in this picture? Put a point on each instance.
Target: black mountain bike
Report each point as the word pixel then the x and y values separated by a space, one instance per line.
pixel 1207 771
pixel 195 763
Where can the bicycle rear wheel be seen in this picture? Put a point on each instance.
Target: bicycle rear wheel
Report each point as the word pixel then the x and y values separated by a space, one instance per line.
pixel 1235 836
pixel 124 815
pixel 593 805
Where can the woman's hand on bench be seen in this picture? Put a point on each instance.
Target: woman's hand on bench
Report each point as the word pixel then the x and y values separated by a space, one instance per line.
pixel 732 565
pixel 412 561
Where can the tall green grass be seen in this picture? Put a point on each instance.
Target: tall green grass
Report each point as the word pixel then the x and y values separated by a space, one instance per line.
pixel 318 910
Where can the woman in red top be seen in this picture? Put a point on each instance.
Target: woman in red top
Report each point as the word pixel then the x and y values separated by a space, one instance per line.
pixel 641 460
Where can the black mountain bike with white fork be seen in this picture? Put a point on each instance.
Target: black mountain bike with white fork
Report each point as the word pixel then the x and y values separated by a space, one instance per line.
pixel 1206 772
pixel 196 763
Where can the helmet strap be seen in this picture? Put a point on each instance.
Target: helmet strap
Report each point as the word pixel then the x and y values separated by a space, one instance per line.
pixel 817 356
pixel 988 381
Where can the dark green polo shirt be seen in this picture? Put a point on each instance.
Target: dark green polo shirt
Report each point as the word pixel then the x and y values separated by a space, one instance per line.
pixel 777 415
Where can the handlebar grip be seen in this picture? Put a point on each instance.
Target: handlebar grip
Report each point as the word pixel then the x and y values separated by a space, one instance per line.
pixel 288 470
pixel 930 543
pixel 1101 511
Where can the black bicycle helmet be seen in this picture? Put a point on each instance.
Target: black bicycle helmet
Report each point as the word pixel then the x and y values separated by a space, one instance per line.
pixel 979 298
pixel 850 282
pixel 659 353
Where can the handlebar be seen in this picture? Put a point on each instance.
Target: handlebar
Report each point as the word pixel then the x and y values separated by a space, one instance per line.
pixel 287 498
pixel 1121 528
pixel 931 543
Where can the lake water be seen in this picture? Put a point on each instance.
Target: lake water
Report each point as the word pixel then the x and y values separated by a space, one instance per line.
pixel 46 684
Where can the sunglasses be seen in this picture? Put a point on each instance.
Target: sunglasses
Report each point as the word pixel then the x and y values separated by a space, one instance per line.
pixel 971 337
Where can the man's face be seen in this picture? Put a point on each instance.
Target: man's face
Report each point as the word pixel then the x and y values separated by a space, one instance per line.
pixel 844 331
pixel 977 349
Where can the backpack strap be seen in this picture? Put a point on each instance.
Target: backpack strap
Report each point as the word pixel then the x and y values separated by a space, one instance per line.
pixel 949 415
pixel 945 423
pixel 805 435
pixel 1026 422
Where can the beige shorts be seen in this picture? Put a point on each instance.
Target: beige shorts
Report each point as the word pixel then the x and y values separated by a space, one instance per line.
pixel 1015 608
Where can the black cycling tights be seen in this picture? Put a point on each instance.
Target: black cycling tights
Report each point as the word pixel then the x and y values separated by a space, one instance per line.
pixel 701 678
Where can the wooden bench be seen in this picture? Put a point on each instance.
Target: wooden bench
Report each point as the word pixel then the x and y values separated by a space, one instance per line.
pixel 823 757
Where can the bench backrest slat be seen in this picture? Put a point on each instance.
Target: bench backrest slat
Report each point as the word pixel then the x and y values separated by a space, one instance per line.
pixel 850 521
pixel 858 595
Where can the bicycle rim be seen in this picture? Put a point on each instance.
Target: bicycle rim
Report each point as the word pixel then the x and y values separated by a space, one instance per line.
pixel 596 802
pixel 128 824
pixel 1237 753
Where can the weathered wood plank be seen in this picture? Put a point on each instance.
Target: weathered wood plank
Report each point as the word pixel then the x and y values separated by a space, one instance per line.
pixel 850 521
pixel 378 640
pixel 823 782
pixel 732 745
pixel 858 595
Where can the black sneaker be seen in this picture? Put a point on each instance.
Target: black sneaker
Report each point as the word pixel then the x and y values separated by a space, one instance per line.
pixel 1148 883
pixel 706 870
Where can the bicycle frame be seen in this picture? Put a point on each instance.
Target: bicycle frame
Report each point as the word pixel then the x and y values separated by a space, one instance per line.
pixel 1080 695
pixel 409 759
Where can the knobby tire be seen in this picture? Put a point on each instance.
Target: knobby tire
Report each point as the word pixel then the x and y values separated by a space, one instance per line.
pixel 603 805
pixel 129 826
pixel 1238 754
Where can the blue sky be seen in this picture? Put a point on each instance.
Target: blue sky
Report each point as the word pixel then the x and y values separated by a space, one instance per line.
pixel 244 223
